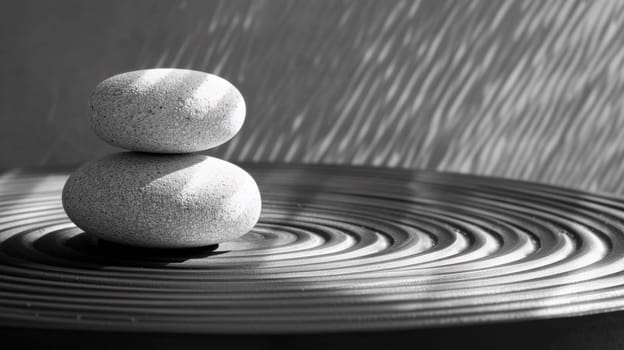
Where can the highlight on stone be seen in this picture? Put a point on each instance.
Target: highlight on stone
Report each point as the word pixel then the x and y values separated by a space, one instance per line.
pixel 160 198
pixel 166 110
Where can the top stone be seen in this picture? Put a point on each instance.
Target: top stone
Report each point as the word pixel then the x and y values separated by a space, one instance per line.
pixel 166 110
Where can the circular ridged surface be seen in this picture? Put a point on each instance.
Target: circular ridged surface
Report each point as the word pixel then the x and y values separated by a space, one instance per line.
pixel 336 249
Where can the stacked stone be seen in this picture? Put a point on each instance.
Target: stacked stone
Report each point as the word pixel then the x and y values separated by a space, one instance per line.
pixel 162 194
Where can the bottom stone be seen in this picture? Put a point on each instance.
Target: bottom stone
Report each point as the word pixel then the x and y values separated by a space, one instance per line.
pixel 164 201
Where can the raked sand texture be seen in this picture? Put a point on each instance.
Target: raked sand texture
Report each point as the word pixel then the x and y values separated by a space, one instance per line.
pixel 338 249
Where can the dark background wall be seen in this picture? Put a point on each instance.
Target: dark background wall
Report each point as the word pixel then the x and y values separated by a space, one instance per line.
pixel 521 89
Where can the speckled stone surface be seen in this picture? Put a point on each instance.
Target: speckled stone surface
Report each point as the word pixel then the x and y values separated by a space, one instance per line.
pixel 166 110
pixel 165 201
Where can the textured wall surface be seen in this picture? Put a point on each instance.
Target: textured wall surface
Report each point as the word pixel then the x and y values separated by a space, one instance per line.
pixel 520 89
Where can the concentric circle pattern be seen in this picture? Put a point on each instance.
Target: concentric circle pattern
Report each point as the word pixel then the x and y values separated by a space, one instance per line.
pixel 336 249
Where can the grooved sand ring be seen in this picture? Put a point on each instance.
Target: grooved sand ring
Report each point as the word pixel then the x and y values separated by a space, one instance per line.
pixel 336 248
